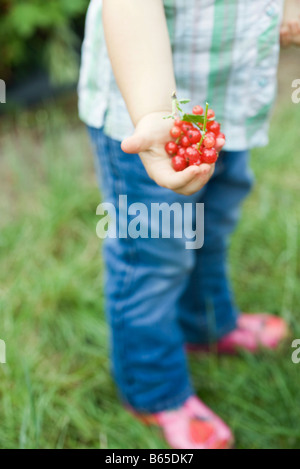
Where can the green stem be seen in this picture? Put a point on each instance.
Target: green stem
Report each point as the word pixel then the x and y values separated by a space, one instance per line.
pixel 204 127
pixel 175 105
pixel 205 118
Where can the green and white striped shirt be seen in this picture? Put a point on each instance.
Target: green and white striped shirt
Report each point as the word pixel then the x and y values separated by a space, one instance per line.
pixel 224 52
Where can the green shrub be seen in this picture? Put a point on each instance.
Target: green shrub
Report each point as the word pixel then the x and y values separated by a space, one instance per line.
pixel 39 33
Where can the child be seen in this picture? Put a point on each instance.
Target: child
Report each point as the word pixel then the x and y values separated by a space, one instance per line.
pixel 162 297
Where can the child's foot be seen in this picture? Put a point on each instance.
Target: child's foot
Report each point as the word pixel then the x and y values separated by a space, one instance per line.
pixel 253 332
pixel 290 27
pixel 192 426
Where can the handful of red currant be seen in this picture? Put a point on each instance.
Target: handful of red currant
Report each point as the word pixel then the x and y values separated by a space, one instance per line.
pixel 197 137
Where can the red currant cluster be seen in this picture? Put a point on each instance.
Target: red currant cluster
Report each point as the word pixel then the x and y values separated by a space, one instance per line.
pixel 197 139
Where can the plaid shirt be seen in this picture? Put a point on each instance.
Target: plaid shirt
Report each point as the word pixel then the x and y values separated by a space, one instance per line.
pixel 224 52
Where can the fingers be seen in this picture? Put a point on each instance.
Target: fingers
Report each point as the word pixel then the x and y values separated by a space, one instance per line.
pixel 290 32
pixel 136 143
pixel 132 144
pixel 285 37
pixel 186 182
pixel 294 27
pixel 206 172
pixel 220 144
pixel 295 31
pixel 173 180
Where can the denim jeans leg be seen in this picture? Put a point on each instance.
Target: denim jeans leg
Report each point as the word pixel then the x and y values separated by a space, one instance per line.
pixel 144 280
pixel 207 307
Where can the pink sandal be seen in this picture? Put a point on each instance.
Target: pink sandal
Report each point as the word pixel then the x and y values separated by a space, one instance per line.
pixel 192 426
pixel 254 331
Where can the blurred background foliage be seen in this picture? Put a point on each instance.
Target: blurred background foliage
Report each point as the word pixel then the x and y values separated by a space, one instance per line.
pixel 39 34
pixel 55 390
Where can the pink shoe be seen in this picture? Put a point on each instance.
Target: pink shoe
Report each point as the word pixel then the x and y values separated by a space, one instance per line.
pixel 192 426
pixel 254 331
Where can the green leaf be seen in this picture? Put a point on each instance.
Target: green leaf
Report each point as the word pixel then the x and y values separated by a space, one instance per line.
pixel 193 119
pixel 184 101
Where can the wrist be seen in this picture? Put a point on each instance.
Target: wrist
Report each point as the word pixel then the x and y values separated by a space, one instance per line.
pixel 157 111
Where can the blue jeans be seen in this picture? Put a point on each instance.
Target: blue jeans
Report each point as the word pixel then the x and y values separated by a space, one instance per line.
pixel 159 294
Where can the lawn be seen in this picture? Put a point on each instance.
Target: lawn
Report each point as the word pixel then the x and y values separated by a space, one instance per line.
pixel 56 390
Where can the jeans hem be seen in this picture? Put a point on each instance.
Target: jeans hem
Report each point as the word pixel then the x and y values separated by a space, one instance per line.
pixel 227 328
pixel 163 405
pixel 220 333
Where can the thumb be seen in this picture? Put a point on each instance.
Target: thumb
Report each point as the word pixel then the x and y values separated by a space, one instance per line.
pixel 136 143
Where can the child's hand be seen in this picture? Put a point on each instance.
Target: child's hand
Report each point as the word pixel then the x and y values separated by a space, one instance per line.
pixel 149 139
pixel 290 27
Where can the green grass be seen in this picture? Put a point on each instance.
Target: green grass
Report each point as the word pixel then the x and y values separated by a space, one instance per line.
pixel 56 390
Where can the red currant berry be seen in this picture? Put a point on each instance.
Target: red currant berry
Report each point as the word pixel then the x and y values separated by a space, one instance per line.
pixel 179 163
pixel 220 135
pixel 171 148
pixel 191 152
pixel 210 114
pixel 214 127
pixel 194 136
pixel 186 127
pixel 198 110
pixel 175 132
pixel 178 122
pixel 195 160
pixel 185 141
pixel 209 156
pixel 209 140
pixel 181 151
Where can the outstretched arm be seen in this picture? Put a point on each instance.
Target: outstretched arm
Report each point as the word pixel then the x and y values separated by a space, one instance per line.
pixel 139 49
